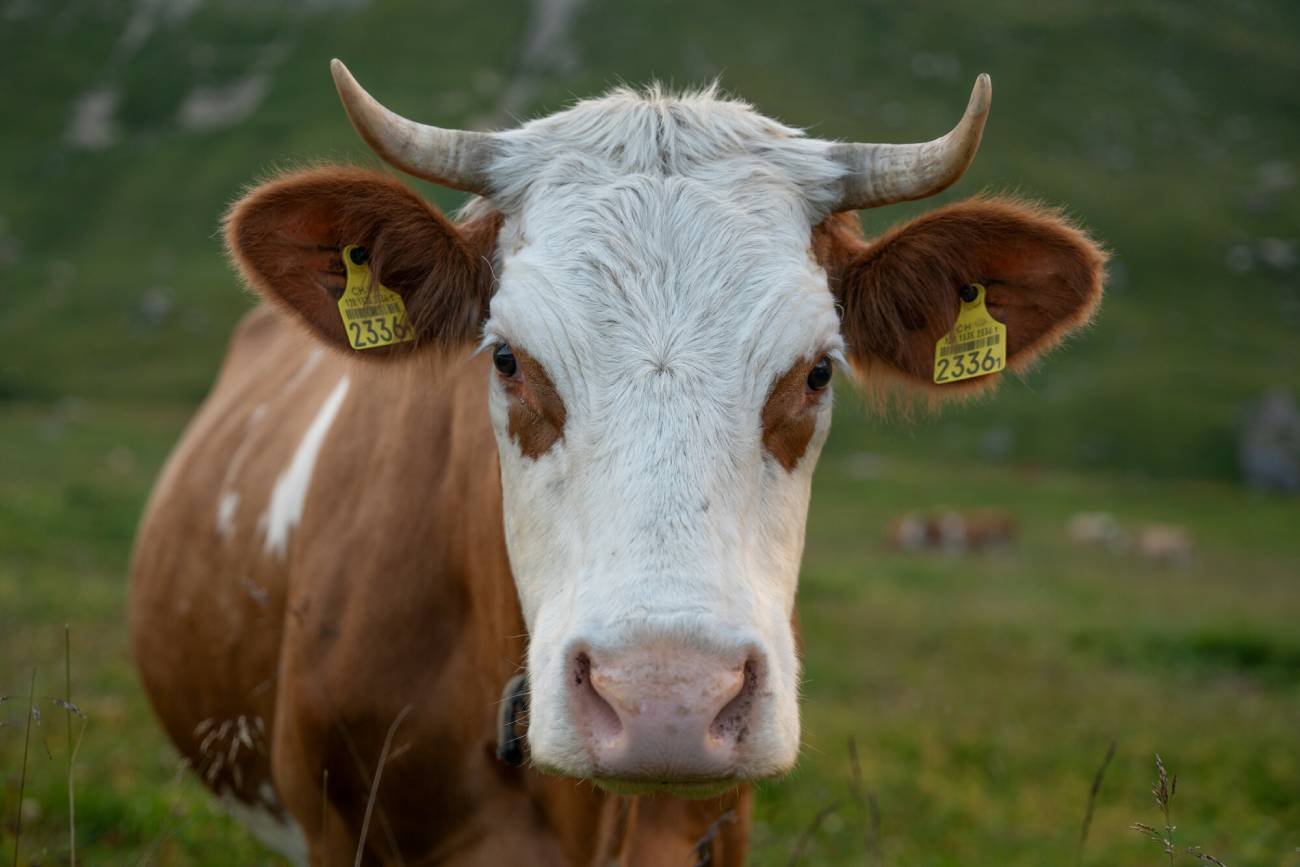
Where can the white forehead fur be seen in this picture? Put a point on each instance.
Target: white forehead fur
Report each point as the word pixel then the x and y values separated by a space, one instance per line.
pixel 674 227
pixel 695 134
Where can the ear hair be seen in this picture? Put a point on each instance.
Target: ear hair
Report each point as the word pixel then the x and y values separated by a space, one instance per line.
pixel 286 235
pixel 898 293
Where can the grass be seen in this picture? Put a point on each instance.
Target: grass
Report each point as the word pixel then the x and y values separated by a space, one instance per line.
pixel 1165 788
pixel 979 692
pixel 978 712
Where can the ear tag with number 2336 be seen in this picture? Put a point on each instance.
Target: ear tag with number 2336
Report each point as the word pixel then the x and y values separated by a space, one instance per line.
pixel 373 315
pixel 976 346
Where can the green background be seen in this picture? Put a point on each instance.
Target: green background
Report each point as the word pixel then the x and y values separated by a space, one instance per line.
pixel 982 691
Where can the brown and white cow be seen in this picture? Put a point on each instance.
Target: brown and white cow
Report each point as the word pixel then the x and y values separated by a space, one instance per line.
pixel 593 465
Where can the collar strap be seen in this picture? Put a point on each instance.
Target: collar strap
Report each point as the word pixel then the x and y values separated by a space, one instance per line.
pixel 514 704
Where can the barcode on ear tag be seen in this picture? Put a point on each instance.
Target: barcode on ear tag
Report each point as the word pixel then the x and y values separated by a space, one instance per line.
pixel 976 346
pixel 373 315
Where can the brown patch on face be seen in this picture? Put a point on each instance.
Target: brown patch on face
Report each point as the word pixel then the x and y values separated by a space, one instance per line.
pixel 537 413
pixel 790 414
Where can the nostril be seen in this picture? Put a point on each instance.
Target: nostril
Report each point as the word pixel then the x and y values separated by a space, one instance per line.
pixel 593 709
pixel 732 722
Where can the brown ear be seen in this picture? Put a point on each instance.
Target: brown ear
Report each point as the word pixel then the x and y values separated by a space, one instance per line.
pixel 286 236
pixel 899 294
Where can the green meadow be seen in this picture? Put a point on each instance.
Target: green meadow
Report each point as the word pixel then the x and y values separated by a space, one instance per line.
pixel 980 692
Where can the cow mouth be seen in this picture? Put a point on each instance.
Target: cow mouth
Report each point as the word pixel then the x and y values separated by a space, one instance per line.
pixel 694 790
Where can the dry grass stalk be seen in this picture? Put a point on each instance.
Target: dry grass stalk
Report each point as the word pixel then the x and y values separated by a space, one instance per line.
pixel 868 803
pixel 22 777
pixel 1092 801
pixel 1197 853
pixel 363 774
pixel 796 855
pixel 374 786
pixel 704 846
pixel 72 801
pixel 174 812
pixel 1164 789
pixel 72 752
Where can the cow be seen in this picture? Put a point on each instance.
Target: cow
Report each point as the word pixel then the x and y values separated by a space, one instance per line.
pixel 951 531
pixel 589 464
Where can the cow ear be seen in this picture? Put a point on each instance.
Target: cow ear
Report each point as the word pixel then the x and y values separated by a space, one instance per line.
pixel 899 295
pixel 286 237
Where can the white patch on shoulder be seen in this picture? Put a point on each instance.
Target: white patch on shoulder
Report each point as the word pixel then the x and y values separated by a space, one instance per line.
pixel 228 502
pixel 278 832
pixel 290 493
pixel 301 374
pixel 226 507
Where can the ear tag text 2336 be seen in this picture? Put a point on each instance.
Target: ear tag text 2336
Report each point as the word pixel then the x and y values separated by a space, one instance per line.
pixel 373 315
pixel 977 344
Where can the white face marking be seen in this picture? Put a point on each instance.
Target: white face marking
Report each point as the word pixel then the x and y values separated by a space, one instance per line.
pixel 655 261
pixel 285 508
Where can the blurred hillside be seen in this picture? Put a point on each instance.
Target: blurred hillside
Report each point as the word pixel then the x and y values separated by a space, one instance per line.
pixel 1168 128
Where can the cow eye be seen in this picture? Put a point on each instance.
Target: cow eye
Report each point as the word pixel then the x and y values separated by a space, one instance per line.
pixel 820 375
pixel 504 360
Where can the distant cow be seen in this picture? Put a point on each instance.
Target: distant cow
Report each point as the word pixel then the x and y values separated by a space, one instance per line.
pixel 591 464
pixel 1167 544
pixel 1099 529
pixel 954 532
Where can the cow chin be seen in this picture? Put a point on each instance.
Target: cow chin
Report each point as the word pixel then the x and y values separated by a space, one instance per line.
pixel 664 777
pixel 693 789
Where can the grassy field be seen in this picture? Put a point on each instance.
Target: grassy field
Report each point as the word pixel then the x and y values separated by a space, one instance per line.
pixel 981 692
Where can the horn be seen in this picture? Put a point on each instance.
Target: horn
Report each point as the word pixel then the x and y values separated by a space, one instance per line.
pixel 449 157
pixel 881 174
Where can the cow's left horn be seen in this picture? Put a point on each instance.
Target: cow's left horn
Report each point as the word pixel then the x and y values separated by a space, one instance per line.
pixel 881 174
pixel 450 157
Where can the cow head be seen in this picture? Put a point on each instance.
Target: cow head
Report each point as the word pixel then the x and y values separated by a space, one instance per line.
pixel 665 285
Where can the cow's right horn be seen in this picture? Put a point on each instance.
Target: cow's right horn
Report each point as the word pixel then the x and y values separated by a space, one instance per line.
pixel 881 174
pixel 449 157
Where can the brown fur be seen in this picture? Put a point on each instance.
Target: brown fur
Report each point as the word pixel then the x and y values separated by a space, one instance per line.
pixel 899 292
pixel 789 415
pixel 396 592
pixel 287 234
pixel 537 412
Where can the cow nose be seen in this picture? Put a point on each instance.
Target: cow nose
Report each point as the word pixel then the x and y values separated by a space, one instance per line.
pixel 664 714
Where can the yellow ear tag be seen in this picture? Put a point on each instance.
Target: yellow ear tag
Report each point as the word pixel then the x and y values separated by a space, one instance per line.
pixel 373 315
pixel 976 346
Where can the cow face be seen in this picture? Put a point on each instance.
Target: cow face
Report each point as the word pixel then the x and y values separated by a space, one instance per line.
pixel 663 344
pixel 665 288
